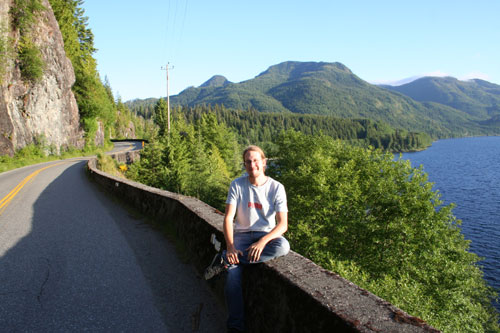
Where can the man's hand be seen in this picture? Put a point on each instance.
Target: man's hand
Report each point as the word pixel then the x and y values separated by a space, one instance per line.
pixel 255 250
pixel 232 255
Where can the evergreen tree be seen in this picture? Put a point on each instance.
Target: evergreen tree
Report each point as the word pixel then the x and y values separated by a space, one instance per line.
pixel 150 169
pixel 216 135
pixel 177 157
pixel 91 95
pixel 160 117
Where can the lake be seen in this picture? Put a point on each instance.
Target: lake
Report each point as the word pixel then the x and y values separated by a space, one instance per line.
pixel 466 172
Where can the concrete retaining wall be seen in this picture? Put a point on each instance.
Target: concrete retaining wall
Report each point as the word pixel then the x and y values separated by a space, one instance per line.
pixel 288 294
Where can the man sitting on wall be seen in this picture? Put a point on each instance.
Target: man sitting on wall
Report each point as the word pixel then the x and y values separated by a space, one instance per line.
pixel 259 203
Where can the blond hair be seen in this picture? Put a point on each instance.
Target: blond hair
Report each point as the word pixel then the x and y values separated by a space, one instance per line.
pixel 254 148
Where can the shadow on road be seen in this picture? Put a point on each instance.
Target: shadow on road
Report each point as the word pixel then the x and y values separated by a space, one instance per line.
pixel 87 264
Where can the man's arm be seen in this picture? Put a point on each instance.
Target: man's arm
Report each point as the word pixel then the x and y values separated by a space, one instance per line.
pixel 255 250
pixel 231 253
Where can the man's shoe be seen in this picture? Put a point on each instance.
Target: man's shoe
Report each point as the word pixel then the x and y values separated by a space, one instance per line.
pixel 216 267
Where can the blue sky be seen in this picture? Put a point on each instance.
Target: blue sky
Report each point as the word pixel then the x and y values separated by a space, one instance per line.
pixel 380 41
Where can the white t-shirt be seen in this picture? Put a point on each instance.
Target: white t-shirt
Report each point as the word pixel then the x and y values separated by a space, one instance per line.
pixel 256 206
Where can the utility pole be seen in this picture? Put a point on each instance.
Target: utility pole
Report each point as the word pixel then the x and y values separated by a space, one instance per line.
pixel 168 98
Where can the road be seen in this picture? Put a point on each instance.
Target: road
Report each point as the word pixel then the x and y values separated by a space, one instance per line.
pixel 72 259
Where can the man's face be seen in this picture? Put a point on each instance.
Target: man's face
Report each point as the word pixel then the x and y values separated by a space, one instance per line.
pixel 254 164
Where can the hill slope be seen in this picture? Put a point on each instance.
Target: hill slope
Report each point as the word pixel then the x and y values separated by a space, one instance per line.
pixel 332 89
pixel 478 98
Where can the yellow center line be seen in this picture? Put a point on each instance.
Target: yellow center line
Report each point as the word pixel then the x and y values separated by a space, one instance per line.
pixel 7 199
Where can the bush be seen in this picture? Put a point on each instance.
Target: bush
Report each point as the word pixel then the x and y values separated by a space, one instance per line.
pixel 30 61
pixel 24 14
pixel 107 164
pixel 5 53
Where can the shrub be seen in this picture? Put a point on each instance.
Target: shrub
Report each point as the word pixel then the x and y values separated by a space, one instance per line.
pixel 30 60
pixel 24 13
pixel 107 164
pixel 5 52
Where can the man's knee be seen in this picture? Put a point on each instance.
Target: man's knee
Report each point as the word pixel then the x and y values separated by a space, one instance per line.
pixel 281 247
pixel 284 247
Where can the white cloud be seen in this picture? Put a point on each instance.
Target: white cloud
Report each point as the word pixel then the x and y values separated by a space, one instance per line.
pixel 475 75
pixel 437 73
pixel 399 82
pixel 466 77
pixel 395 82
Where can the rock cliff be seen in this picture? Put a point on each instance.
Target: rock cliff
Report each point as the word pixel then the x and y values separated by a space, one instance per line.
pixel 45 110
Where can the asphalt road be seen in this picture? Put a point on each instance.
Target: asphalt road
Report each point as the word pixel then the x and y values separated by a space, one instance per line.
pixel 72 259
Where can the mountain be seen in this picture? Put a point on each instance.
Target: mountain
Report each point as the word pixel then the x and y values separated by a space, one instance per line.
pixel 333 89
pixel 216 81
pixel 478 98
pixel 396 82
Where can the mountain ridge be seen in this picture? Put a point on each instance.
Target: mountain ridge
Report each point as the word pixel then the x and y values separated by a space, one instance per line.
pixel 333 89
pixel 216 81
pixel 478 98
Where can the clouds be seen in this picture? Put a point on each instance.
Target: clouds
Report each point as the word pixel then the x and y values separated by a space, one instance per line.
pixel 475 75
pixel 461 77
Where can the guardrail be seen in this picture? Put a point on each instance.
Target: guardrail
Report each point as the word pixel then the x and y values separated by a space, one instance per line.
pixel 288 294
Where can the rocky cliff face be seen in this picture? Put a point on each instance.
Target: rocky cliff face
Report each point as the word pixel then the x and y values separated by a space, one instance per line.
pixel 45 110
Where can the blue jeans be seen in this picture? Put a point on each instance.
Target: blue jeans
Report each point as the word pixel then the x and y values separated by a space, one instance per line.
pixel 233 291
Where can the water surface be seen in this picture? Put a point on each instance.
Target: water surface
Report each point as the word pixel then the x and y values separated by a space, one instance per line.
pixel 466 172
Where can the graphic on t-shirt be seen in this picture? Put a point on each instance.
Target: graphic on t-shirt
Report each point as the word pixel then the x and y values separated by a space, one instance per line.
pixel 255 205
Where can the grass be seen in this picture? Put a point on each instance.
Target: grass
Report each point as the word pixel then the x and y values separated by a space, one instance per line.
pixel 109 165
pixel 36 153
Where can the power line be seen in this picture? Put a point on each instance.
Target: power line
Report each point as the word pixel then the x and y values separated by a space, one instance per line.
pixel 166 45
pixel 171 29
pixel 179 41
pixel 174 29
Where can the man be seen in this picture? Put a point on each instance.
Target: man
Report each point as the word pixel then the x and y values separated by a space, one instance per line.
pixel 259 203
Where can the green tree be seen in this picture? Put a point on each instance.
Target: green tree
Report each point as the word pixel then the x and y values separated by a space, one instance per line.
pixel 378 223
pixel 189 159
pixel 91 95
pixel 160 116
pixel 209 179
pixel 217 136
pixel 150 169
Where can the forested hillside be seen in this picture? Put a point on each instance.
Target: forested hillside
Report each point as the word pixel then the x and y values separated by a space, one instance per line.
pixel 478 98
pixel 253 127
pixel 264 128
pixel 332 89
